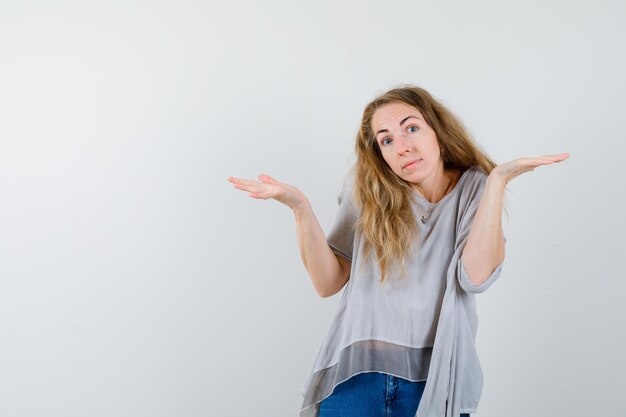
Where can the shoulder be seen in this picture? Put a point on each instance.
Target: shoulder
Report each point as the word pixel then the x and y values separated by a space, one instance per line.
pixel 476 172
pixel 346 192
pixel 472 182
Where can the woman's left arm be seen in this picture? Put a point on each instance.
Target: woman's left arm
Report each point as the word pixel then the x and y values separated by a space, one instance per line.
pixel 484 249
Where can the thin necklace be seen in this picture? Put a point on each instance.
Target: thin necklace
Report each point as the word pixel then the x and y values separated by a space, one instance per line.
pixel 424 217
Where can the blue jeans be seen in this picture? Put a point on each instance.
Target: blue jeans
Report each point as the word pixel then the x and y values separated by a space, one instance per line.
pixel 374 394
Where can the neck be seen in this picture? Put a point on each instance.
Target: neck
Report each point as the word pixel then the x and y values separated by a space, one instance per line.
pixel 439 186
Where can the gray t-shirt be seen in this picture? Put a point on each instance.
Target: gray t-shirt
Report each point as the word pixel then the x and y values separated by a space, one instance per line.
pixel 418 327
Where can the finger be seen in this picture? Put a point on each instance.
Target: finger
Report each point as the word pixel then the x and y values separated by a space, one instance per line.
pixel 252 188
pixel 548 161
pixel 541 160
pixel 267 179
pixel 235 180
pixel 554 157
pixel 260 195
pixel 246 182
pixel 562 155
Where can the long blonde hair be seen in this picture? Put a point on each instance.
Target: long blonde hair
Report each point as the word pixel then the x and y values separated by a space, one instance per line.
pixel 387 221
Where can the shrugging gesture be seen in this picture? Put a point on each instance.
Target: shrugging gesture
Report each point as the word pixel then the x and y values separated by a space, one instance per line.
pixel 512 169
pixel 485 247
pixel 267 187
pixel 412 155
pixel 328 272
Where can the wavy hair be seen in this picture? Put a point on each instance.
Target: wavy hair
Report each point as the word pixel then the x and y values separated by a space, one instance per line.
pixel 387 221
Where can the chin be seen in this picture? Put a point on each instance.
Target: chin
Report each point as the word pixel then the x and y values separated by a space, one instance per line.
pixel 412 179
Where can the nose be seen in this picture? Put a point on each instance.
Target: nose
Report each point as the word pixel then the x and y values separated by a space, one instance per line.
pixel 404 145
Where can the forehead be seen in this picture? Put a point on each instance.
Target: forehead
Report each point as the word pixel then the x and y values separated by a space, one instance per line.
pixel 390 115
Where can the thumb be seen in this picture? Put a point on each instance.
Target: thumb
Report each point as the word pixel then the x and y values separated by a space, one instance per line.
pixel 267 179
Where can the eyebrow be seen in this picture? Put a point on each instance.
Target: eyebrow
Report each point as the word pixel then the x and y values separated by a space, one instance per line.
pixel 401 123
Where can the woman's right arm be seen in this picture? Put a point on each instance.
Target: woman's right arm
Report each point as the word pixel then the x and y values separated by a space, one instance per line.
pixel 328 272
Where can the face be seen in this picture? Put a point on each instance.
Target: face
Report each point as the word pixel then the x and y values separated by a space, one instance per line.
pixel 408 144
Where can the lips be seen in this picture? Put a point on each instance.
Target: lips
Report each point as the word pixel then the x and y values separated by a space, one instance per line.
pixel 410 163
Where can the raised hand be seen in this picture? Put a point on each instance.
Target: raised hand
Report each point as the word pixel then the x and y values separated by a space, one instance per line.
pixel 507 171
pixel 267 187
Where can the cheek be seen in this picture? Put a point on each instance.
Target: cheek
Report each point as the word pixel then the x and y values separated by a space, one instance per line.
pixel 389 160
pixel 433 146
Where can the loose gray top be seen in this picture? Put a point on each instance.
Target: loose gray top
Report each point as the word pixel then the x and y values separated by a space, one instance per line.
pixel 418 327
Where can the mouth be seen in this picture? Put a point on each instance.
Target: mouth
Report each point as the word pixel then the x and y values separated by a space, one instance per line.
pixel 412 164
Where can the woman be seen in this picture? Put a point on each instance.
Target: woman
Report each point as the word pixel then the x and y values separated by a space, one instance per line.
pixel 417 235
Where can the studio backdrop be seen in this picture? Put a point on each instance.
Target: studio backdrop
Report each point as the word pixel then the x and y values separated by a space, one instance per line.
pixel 136 281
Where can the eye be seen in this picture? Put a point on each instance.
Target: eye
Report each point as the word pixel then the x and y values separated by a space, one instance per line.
pixel 412 129
pixel 385 141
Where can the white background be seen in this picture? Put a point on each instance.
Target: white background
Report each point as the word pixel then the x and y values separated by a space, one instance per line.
pixel 135 281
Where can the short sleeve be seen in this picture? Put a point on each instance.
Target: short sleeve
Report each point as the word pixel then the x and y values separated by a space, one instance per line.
pixel 471 200
pixel 341 236
pixel 467 284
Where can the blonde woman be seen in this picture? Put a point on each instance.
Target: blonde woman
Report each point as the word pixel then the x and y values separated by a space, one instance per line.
pixel 417 235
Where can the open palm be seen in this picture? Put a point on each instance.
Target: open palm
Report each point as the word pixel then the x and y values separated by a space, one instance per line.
pixel 267 187
pixel 512 169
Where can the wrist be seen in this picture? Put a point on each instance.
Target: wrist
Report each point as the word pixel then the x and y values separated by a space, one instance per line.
pixel 496 180
pixel 301 207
